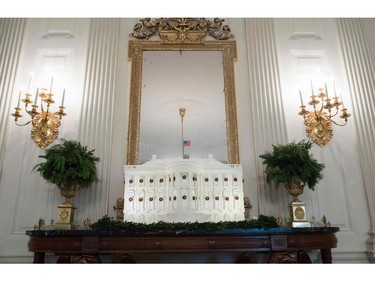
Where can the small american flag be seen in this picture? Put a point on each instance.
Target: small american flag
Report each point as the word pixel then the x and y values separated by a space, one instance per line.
pixel 187 143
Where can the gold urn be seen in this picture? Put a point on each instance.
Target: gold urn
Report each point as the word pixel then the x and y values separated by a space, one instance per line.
pixel 297 208
pixel 65 215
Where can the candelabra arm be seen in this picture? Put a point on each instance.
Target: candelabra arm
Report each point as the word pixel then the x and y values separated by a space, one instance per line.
pixel 331 116
pixel 20 125
pixel 321 107
pixel 341 125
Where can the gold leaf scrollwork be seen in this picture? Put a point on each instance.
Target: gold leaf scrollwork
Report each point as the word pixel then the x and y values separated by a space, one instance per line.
pixel 182 29
pixel 319 130
pixel 45 128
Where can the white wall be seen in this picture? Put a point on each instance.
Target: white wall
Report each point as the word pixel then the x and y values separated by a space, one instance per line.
pixel 50 47
pixel 62 44
pixel 309 49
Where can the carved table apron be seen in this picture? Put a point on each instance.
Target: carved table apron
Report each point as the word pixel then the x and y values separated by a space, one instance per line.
pixel 89 243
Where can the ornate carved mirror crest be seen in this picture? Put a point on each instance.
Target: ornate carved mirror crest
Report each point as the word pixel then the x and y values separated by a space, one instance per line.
pixel 182 36
pixel 182 29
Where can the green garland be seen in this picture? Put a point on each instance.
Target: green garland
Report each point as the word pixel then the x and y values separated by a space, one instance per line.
pixel 107 223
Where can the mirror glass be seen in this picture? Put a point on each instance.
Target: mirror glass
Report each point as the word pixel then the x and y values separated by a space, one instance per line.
pixel 196 76
pixel 193 80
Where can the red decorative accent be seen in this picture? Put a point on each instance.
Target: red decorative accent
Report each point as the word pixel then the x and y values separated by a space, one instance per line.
pixel 217 198
pixel 130 181
pixel 235 179
pixel 207 198
pixel 236 197
pixel 151 199
pixel 225 179
pixel 161 199
pixel 227 198
pixel 140 199
pixel 130 199
pixel 141 180
pixel 216 179
pixel 184 197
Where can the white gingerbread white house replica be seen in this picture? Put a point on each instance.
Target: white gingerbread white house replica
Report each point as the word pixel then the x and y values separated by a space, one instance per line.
pixel 183 190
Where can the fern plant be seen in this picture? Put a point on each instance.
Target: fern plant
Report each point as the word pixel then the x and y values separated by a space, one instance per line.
pixel 68 165
pixel 292 163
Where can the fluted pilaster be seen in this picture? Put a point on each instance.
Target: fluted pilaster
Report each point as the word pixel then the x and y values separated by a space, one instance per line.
pixel 96 123
pixel 11 34
pixel 266 106
pixel 361 78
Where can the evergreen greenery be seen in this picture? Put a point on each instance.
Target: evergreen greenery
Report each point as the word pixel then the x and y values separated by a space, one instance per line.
pixel 107 223
pixel 292 163
pixel 68 164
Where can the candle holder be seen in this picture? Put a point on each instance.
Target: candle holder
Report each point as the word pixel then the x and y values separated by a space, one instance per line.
pixel 45 124
pixel 319 120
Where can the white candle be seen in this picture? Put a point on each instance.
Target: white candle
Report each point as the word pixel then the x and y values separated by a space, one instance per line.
pixel 342 101
pixel 334 88
pixel 19 100
pixel 36 96
pixel 63 98
pixel 326 90
pixel 300 96
pixel 312 89
pixel 28 88
pixel 50 90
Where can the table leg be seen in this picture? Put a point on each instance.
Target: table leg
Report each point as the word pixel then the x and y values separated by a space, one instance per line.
pixel 326 255
pixel 244 258
pixel 39 257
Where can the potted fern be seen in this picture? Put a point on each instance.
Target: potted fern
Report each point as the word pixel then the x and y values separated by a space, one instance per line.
pixel 293 166
pixel 70 166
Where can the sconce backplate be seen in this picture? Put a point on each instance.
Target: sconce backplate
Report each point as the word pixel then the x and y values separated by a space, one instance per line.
pixel 45 128
pixel 318 127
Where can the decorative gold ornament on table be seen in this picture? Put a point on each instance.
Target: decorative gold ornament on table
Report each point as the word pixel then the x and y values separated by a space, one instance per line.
pixel 179 34
pixel 119 208
pixel 248 206
pixel 319 121
pixel 45 124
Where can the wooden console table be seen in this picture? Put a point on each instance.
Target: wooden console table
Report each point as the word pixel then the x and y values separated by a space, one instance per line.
pixel 89 244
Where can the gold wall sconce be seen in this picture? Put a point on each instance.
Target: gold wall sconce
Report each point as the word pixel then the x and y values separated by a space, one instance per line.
pixel 319 119
pixel 45 123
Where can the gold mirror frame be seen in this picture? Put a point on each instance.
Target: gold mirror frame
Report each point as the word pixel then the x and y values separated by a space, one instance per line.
pixel 135 55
